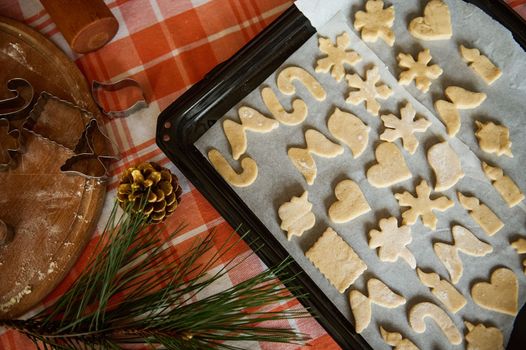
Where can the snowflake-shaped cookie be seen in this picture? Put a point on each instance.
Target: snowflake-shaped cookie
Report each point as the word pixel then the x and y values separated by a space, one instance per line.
pixel 404 128
pixel 368 90
pixel 422 205
pixel 376 22
pixel 419 70
pixel 337 56
pixel 392 241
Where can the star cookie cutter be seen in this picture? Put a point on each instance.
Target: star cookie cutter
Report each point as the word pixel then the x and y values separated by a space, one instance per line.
pixel 12 107
pixel 11 143
pixel 96 86
pixel 90 159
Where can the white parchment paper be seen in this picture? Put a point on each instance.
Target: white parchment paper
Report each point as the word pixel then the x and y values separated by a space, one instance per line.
pixel 278 180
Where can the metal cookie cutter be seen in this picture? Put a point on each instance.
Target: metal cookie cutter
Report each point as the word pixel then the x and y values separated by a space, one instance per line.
pixel 90 159
pixel 10 145
pixel 12 107
pixel 115 86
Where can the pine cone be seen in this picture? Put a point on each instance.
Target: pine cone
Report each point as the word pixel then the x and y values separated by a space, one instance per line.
pixel 152 184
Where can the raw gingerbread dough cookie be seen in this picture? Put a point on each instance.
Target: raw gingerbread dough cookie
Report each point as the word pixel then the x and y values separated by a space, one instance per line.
pixel 396 340
pixel 448 255
pixel 446 165
pixel 480 337
pixel 391 168
pixel 404 128
pixel 350 202
pixel 320 145
pixel 501 294
pixel 350 130
pixel 317 144
pixel 361 310
pixel 420 311
pixel 337 56
pixel 436 23
pixel 494 138
pixel 243 179
pixel 519 245
pixel 508 190
pixel 443 291
pixel 287 75
pixel 367 90
pixel 419 70
pixel 251 120
pixel 480 64
pixel 376 22
pixel 460 99
pixel 299 108
pixel 379 294
pixel 482 215
pixel 336 260
pixel 304 162
pixel 391 241
pixel 449 114
pixel 468 243
pixel 463 241
pixel 464 99
pixel 296 216
pixel 422 205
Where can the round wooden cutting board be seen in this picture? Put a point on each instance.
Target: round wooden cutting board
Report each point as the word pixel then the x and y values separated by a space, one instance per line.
pixel 53 214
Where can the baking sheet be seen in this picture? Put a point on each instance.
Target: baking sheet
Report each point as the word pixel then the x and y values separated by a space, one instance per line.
pixel 278 184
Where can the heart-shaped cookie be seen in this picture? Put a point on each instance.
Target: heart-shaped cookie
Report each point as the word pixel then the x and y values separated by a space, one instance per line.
pixel 391 167
pixel 351 202
pixel 436 23
pixel 500 294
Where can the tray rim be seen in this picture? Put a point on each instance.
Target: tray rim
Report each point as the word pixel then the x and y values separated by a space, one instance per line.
pixel 177 122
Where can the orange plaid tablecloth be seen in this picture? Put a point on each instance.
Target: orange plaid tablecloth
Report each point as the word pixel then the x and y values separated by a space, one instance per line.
pixel 168 45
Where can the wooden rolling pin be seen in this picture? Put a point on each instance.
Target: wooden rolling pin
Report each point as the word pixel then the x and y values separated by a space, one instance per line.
pixel 87 25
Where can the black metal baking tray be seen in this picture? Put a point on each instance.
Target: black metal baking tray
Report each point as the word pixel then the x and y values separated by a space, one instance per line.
pixel 181 124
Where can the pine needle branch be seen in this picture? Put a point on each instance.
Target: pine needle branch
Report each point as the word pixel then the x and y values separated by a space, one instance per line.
pixel 136 291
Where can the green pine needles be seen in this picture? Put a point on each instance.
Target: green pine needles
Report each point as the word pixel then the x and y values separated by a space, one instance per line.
pixel 134 291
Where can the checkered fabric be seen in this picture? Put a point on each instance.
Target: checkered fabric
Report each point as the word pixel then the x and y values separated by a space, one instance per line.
pixel 168 45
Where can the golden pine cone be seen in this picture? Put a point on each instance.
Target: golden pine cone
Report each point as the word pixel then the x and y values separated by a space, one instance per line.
pixel 152 184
